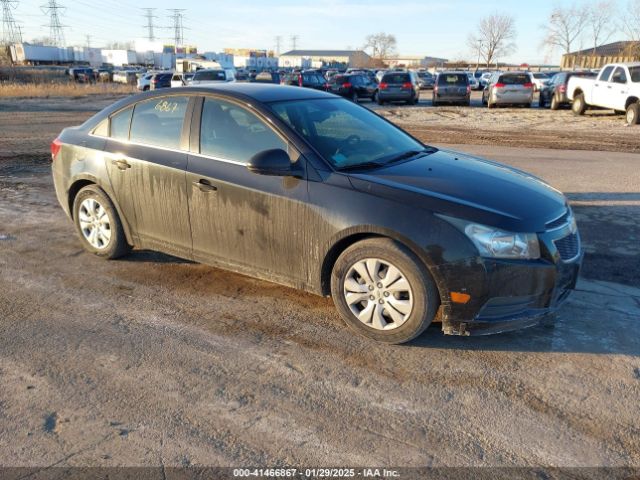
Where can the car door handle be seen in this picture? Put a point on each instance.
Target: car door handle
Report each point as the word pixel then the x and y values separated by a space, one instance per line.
pixel 205 186
pixel 121 163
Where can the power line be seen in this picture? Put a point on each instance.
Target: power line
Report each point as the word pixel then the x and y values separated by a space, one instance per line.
pixel 10 30
pixel 56 29
pixel 150 16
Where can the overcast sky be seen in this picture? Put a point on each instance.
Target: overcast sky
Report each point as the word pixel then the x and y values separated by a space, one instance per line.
pixel 433 28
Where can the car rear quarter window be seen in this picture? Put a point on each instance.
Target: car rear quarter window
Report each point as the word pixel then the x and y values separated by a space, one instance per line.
pixel 120 123
pixel 458 79
pixel 230 132
pixel 158 121
pixel 515 79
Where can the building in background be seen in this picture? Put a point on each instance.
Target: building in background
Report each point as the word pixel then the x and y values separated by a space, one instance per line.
pixel 596 58
pixel 414 61
pixel 252 59
pixel 324 58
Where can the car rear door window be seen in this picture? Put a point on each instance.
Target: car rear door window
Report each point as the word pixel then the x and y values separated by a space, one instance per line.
pixel 120 123
pixel 606 73
pixel 158 121
pixel 230 132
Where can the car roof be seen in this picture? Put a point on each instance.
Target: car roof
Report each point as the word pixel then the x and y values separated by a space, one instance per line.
pixel 261 92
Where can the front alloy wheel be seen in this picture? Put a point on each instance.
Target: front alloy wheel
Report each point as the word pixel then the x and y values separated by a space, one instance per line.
pixel 378 294
pixel 384 291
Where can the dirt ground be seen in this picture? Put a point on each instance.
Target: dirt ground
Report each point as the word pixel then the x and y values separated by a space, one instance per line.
pixel 152 360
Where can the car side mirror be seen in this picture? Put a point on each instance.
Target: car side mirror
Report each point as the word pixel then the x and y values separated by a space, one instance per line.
pixel 274 162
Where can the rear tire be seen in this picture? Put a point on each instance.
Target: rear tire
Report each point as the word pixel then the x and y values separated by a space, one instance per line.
pixel 633 114
pixel 414 292
pixel 434 102
pixel 579 106
pixel 98 224
pixel 555 105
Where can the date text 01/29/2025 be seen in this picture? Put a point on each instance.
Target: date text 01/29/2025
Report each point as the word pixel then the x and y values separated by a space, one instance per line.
pixel 315 473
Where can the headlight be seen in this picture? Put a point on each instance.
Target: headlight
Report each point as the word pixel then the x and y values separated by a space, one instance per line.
pixel 495 243
pixel 500 244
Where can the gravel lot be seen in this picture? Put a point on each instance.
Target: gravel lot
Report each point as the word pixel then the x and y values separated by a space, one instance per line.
pixel 152 360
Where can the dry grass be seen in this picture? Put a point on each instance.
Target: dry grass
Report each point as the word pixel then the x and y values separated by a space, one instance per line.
pixel 39 90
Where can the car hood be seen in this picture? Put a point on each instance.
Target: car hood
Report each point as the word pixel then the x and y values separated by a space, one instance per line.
pixel 468 187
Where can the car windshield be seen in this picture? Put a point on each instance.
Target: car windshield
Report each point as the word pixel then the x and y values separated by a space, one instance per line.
pixel 215 75
pixel 515 79
pixel 346 135
pixel 396 78
pixel 453 79
pixel 635 74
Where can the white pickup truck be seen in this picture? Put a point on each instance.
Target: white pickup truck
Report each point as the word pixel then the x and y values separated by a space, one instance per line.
pixel 617 88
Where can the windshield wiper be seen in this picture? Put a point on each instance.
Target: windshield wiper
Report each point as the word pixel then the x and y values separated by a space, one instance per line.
pixel 359 166
pixel 408 155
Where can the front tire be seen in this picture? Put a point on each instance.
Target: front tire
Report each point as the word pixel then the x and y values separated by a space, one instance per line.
pixel 383 291
pixel 98 224
pixel 633 114
pixel 579 106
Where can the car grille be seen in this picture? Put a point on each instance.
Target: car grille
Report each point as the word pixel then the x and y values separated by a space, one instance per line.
pixel 568 247
pixel 560 221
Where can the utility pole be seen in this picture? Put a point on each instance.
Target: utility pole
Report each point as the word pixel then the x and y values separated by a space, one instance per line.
pixel 10 30
pixel 294 41
pixel 178 27
pixel 278 42
pixel 56 29
pixel 88 37
pixel 149 26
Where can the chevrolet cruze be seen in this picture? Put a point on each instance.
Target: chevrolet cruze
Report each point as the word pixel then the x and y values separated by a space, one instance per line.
pixel 310 190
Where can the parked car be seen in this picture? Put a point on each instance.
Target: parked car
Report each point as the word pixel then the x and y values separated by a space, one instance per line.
pixel 161 80
pixel 617 87
pixel 306 79
pixel 267 77
pixel 539 80
pixel 181 79
pixel 426 80
pixel 484 79
pixel 315 192
pixel 554 94
pixel 452 87
pixel 353 87
pixel 474 84
pixel 103 74
pixel 82 74
pixel 380 74
pixel 125 76
pixel 207 76
pixel 144 82
pixel 398 87
pixel 509 88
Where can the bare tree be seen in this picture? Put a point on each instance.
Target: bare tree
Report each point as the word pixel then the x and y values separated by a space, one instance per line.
pixel 382 45
pixel 565 26
pixel 600 21
pixel 494 38
pixel 631 21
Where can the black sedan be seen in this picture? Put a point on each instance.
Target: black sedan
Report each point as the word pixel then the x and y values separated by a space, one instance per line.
pixel 310 190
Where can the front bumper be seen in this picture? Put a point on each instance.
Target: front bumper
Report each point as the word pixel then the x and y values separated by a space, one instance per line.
pixel 508 295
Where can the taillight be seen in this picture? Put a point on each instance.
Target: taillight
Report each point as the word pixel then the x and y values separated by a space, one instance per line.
pixel 347 85
pixel 562 89
pixel 500 85
pixel 383 86
pixel 468 88
pixel 327 86
pixel 407 85
pixel 435 89
pixel 300 81
pixel 56 145
pixel 528 85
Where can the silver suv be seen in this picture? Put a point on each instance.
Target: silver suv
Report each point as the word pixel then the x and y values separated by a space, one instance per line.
pixel 509 88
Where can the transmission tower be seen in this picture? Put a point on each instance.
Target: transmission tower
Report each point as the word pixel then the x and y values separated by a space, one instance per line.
pixel 149 26
pixel 278 42
pixel 178 27
pixel 10 29
pixel 56 29
pixel 294 41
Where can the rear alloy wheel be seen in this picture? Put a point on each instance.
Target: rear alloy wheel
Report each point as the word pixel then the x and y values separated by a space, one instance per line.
pixel 98 224
pixel 579 106
pixel 633 114
pixel 383 291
